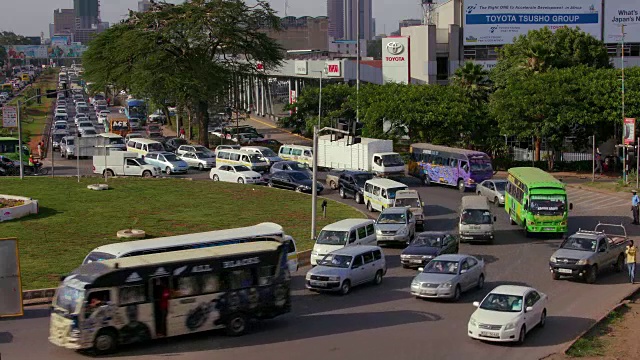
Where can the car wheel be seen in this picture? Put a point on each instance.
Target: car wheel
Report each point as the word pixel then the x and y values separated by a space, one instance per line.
pixel 270 184
pixel 358 198
pixel 147 174
pixel 298 190
pixel 555 275
pixel 543 318
pixel 377 280
pixel 200 167
pixel 461 186
pixel 592 274
pixel 480 283
pixel 167 171
pixel 236 325
pixel 456 294
pixel 216 178
pixel 496 201
pixel 369 207
pixel 110 173
pixel 425 180
pixel 342 194
pixel 105 342
pixel 332 185
pixel 240 181
pixel 523 334
pixel 345 288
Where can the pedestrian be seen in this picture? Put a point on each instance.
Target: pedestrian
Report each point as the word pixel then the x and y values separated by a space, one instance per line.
pixel 635 201
pixel 40 149
pixel 182 133
pixel 598 162
pixel 631 252
pixel 32 163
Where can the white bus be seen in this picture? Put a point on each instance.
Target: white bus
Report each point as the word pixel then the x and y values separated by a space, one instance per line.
pixel 260 232
pixel 105 304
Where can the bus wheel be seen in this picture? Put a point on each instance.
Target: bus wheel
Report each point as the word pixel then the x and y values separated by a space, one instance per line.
pixel 369 207
pixel 461 185
pixel 425 180
pixel 511 221
pixel 236 324
pixel 105 342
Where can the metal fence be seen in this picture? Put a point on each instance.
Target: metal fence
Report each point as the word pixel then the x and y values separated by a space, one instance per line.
pixel 520 154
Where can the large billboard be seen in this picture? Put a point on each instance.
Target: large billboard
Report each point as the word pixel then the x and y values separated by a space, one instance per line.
pixel 21 52
pixel 395 60
pixel 10 285
pixel 497 22
pixel 621 13
pixel 61 40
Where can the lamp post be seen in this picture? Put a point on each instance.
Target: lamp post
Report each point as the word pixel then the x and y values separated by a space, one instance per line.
pixel 321 72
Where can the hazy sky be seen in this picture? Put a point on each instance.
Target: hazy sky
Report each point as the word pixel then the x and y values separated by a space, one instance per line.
pixel 30 17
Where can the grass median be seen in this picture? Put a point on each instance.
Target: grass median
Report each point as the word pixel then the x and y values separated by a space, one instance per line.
pixel 73 220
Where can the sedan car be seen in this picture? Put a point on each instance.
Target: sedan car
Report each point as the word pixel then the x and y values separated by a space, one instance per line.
pixel 493 190
pixel 60 125
pixel 154 128
pixel 168 162
pixel 246 138
pixel 199 159
pixel 85 125
pixel 174 143
pixel 157 136
pixel 395 226
pixel 87 133
pixel 507 314
pixel 290 166
pixel 80 117
pixel 235 173
pixel 426 246
pixel 183 149
pixel 294 180
pixel 448 276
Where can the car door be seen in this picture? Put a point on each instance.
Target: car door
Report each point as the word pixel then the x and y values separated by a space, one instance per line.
pixel 369 265
pixel 190 159
pixel 278 179
pixel 474 271
pixel 362 235
pixel 411 221
pixel 465 275
pixel 131 167
pixel 454 245
pixel 530 317
pixel 358 271
pixel 347 184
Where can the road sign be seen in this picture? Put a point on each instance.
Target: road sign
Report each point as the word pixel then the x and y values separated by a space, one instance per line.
pixel 9 117
pixel 629 130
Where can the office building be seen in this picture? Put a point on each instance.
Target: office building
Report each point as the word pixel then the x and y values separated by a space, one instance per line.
pixel 87 13
pixel 303 33
pixel 64 21
pixel 405 23
pixel 351 19
pixel 52 30
pixel 144 5
pixel 335 13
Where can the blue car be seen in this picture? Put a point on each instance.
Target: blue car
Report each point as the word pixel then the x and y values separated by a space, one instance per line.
pixel 168 162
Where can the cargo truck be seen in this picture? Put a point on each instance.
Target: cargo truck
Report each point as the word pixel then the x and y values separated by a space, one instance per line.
pixel 372 155
pixel 123 163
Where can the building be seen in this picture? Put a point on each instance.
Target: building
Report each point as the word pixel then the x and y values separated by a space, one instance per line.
pixel 303 33
pixel 144 5
pixel 52 30
pixel 87 13
pixel 405 23
pixel 335 13
pixel 351 18
pixel 64 21
pixel 347 48
pixel 84 36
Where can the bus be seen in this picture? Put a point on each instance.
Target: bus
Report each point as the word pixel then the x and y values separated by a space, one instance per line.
pixel 9 148
pixel 117 124
pixel 136 109
pixel 105 304
pixel 261 232
pixel 449 166
pixel 536 201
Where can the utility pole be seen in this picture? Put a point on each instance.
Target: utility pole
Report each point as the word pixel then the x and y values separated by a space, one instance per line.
pixel 20 141
pixel 358 60
pixel 624 146
pixel 314 193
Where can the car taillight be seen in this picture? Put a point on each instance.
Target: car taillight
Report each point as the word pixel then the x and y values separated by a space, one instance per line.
pixel 94 168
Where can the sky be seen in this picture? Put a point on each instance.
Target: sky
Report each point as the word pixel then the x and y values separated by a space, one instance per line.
pixel 30 17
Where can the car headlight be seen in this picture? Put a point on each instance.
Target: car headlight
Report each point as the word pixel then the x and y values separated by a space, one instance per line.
pixel 314 253
pixel 402 231
pixel 308 277
pixel 404 256
pixel 553 259
pixel 415 284
pixel 510 326
pixel 378 232
pixel 473 322
pixel 446 285
pixel 582 262
pixel 425 257
pixel 334 278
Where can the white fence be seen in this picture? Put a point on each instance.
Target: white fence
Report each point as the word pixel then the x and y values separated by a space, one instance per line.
pixel 527 155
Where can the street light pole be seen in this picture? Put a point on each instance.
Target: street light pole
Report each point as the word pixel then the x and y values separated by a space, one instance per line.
pixel 624 146
pixel 20 141
pixel 314 193
pixel 358 60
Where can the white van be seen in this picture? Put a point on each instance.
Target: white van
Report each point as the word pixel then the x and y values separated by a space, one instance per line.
pixel 380 194
pixel 299 153
pixel 115 141
pixel 252 160
pixel 144 146
pixel 476 220
pixel 347 232
pixel 266 153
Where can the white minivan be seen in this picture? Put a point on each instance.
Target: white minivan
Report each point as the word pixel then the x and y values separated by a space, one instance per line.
pixel 266 153
pixel 380 194
pixel 343 233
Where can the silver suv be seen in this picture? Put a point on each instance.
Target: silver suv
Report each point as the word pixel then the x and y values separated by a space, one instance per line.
pixel 342 269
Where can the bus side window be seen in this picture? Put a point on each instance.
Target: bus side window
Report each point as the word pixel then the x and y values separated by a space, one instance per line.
pixel 376 191
pixel 132 295
pixel 266 274
pixel 368 188
pixel 238 279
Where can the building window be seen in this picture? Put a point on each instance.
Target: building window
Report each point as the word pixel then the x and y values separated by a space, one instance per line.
pixel 442 65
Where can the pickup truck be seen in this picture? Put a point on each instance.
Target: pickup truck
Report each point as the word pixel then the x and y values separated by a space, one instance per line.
pixel 123 163
pixel 586 253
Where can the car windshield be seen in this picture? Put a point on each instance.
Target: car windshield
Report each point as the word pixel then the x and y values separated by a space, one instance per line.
pixel 141 161
pixel 427 240
pixel 200 148
pixel 268 153
pixel 241 168
pixel 69 298
pixel 179 142
pixel 116 141
pixel 410 202
pixel 61 126
pixel 70 142
pixel 298 166
pixel 502 303
pixel 547 205
pixel 441 267
pixel 58 137
pixel 170 157
pixel 480 165
pixel 475 217
pixel 155 147
pixel 392 192
pixel 362 178
pixel 392 160
pixel 90 132
pixel 328 237
pixel 578 243
pixel 392 218
pixel 299 176
pixel 256 158
pixel 500 185
pixel 341 261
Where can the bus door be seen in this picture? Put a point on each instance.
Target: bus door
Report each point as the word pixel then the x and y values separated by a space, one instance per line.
pixel 160 296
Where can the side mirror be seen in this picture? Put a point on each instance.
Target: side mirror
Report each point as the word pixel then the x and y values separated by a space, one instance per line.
pixel 421 269
pixel 476 303
pixel 495 218
pixel 528 309
pixel 570 206
pixel 463 271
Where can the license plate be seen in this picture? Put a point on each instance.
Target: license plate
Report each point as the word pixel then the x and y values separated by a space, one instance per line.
pixel 549 229
pixel 385 238
pixel 317 283
pixel 428 292
pixel 565 271
pixel 489 334
pixel 416 261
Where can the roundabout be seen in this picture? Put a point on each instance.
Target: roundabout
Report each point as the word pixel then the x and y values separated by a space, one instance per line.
pixel 16 207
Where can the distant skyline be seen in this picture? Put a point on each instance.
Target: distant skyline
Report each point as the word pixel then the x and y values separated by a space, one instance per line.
pixel 30 17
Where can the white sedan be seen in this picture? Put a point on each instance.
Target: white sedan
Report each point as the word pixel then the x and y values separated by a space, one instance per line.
pixel 507 314
pixel 235 173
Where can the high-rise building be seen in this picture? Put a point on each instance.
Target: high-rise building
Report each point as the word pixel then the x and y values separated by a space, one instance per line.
pixel 52 30
pixel 87 13
pixel 351 18
pixel 303 33
pixel 335 13
pixel 64 21
pixel 144 5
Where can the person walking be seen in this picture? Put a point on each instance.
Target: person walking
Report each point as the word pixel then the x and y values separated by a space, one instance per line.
pixel 631 252
pixel 635 201
pixel 598 162
pixel 182 133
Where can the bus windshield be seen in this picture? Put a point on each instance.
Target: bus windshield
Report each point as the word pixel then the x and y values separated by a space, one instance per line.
pixel 475 217
pixel 547 204
pixel 480 165
pixel 68 298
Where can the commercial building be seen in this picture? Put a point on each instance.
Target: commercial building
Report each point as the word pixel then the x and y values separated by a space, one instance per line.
pixel 405 23
pixel 87 13
pixel 351 19
pixel 303 33
pixel 64 21
pixel 335 13
pixel 144 5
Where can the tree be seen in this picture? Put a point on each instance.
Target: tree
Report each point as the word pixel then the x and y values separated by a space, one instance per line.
pixel 374 49
pixel 189 53
pixel 472 77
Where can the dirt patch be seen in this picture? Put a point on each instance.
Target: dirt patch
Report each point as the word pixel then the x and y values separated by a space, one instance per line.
pixel 614 338
pixel 7 203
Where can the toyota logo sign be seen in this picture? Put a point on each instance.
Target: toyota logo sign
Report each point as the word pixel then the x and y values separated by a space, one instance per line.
pixel 395 48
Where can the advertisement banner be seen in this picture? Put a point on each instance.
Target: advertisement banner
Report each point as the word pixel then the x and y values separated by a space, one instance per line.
pixel 395 60
pixel 497 22
pixel 61 40
pixel 334 68
pixel 10 284
pixel 618 13
pixel 629 131
pixel 301 67
pixel 21 52
pixel 9 117
pixel 293 98
pixel 486 64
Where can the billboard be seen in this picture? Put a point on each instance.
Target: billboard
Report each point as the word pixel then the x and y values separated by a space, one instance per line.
pixel 629 131
pixel 395 60
pixel 10 284
pixel 61 40
pixel 21 52
pixel 334 68
pixel 497 22
pixel 618 13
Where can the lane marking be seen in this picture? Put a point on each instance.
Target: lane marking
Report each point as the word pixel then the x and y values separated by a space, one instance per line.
pixel 281 129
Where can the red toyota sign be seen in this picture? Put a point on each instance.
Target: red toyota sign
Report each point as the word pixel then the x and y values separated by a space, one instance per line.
pixel 334 68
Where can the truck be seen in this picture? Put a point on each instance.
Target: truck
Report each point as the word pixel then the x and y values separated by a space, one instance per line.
pixel 123 163
pixel 412 200
pixel 585 254
pixel 372 155
pixel 118 124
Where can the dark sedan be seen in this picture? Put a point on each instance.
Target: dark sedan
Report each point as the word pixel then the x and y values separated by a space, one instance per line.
pixel 426 246
pixel 173 144
pixel 291 166
pixel 294 180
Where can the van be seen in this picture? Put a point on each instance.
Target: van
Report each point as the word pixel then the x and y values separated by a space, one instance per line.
pixel 299 153
pixel 347 232
pixel 266 153
pixel 249 159
pixel 476 220
pixel 412 200
pixel 115 141
pixel 380 194
pixel 143 146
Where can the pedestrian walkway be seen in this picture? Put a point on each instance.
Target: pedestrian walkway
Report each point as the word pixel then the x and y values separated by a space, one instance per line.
pixel 585 199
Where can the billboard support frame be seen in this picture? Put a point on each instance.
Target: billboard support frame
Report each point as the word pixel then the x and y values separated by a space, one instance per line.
pixel 19 289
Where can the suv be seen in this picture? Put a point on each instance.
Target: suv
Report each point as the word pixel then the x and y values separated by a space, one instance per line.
pixel 351 184
pixel 347 267
pixel 395 225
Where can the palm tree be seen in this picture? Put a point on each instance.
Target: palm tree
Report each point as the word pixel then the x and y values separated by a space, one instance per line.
pixel 472 77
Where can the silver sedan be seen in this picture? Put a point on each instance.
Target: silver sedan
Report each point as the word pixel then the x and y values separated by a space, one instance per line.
pixel 493 190
pixel 448 276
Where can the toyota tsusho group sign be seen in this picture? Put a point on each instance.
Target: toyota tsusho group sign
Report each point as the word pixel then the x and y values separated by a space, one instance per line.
pixel 395 60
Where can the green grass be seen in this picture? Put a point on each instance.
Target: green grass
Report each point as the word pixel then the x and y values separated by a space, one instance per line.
pixel 615 186
pixel 594 343
pixel 74 220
